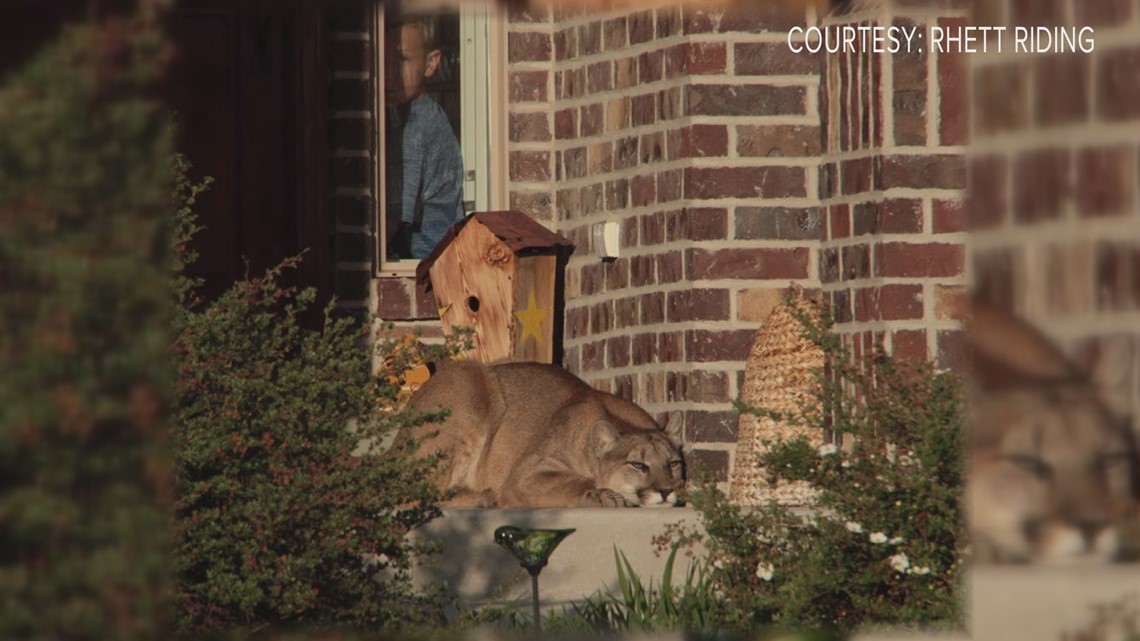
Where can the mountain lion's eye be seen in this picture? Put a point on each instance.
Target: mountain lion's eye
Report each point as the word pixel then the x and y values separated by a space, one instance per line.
pixel 1034 466
pixel 674 464
pixel 641 467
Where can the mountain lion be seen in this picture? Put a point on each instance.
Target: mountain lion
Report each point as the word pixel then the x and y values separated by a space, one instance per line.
pixel 1054 470
pixel 534 435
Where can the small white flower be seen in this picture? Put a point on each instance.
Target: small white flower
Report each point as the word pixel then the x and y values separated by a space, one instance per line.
pixel 896 540
pixel 828 449
pixel 878 538
pixel 920 570
pixel 899 562
pixel 852 526
pixel 845 464
pixel 764 571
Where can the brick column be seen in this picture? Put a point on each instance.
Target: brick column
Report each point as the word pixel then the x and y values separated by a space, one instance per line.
pixel 1055 201
pixel 892 176
pixel 698 133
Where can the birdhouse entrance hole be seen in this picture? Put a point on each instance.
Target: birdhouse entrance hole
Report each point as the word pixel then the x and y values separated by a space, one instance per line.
pixel 473 303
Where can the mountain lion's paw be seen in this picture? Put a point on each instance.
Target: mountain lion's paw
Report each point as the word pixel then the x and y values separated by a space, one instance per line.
pixel 607 498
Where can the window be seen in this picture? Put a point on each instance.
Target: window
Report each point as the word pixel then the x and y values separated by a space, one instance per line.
pixel 437 125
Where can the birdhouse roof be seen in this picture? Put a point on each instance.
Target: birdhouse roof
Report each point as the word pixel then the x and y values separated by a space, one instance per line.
pixel 518 232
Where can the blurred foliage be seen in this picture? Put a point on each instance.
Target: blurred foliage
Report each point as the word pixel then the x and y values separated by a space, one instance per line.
pixel 85 478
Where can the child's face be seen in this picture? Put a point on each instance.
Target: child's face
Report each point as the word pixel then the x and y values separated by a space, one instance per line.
pixel 409 64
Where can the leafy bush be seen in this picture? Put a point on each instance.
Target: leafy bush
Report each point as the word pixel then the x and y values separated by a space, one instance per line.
pixel 280 520
pixel 884 542
pixel 84 474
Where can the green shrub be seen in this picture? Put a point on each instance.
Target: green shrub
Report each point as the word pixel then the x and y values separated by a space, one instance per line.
pixel 84 474
pixel 884 544
pixel 278 522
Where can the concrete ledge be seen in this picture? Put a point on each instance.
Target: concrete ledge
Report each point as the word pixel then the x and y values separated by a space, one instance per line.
pixel 481 572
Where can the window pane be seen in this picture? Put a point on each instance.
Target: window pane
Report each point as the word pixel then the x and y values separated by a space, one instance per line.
pixel 424 164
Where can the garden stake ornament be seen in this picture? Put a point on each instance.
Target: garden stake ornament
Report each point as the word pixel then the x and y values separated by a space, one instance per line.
pixel 532 547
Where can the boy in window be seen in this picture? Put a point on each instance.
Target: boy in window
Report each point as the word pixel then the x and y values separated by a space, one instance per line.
pixel 429 194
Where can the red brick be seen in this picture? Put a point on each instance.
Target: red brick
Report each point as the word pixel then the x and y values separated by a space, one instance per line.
pixel 709 140
pixel 773 59
pixel 900 302
pixel 1041 185
pixel 643 349
pixel 641 27
pixel 759 17
pixel 393 299
pixel 529 127
pixel 918 260
pixel 594 356
pixel 652 308
pixel 744 182
pixel 528 47
pixel 778 223
pixel 706 346
pixel 710 465
pixel 650 66
pixel 617 274
pixel 952 350
pixel 701 386
pixel 653 228
pixel 669 21
pixel 530 166
pixel 1097 13
pixel 950 302
pixel 670 347
pixel 777 140
pixel 936 171
pixel 697 305
pixel 949 216
pixel 1060 92
pixel 987 196
pixel 351 171
pixel 641 271
pixel 900 216
pixel 952 79
pixel 593 119
pixel 599 77
pixel 351 55
pixel 590 38
pixel 528 86
pixel 616 34
pixel 617 351
pixel 909 345
pixel 643 190
pixel 699 223
pixel 601 317
pixel 857 175
pixel 711 427
pixel 535 205
pixel 670 185
pixel 1105 180
pixel 745 100
pixel 652 147
pixel 670 267
pixel 1001 99
pixel 1118 84
pixel 840 224
pixel 643 109
pixel 629 232
pixel 751 263
pixel 565 44
pixel 706 58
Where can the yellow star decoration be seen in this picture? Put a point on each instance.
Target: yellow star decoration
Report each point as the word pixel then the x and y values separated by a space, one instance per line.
pixel 531 319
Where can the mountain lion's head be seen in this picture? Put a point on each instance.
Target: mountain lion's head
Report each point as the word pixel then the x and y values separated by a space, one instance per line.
pixel 645 466
pixel 1053 467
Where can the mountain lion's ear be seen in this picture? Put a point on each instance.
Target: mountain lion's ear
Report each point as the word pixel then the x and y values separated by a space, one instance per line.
pixel 1111 370
pixel 675 426
pixel 603 435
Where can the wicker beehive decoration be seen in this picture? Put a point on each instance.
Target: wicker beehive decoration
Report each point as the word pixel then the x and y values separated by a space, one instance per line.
pixel 779 375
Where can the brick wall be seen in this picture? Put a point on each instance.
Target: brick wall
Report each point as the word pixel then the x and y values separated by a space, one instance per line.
pixel 1054 193
pixel 352 118
pixel 698 133
pixel 892 178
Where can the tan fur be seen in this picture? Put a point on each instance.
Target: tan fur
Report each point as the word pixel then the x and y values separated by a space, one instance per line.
pixel 1052 470
pixel 533 435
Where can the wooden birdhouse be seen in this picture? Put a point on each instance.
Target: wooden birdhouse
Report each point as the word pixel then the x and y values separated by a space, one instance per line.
pixel 501 273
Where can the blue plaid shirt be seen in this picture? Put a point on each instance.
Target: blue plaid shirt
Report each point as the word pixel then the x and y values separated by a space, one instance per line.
pixel 433 166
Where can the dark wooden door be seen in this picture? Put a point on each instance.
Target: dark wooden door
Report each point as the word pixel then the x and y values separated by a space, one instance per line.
pixel 247 87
